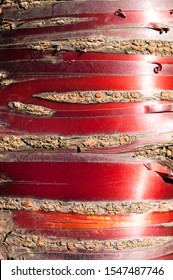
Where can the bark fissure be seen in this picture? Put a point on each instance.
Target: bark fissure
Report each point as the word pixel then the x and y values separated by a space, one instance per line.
pixel 97 207
pixel 106 44
pixel 7 25
pixel 158 152
pixel 6 225
pixel 31 109
pixel 94 97
pixel 33 242
pixel 52 142
pixel 26 4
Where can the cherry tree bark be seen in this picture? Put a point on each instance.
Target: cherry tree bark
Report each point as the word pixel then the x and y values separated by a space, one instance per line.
pixel 86 127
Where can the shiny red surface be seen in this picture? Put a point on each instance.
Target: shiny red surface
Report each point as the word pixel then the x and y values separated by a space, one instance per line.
pixel 146 254
pixel 140 4
pixel 111 234
pixel 16 54
pixel 99 6
pixel 58 221
pixel 93 67
pixel 89 176
pixel 91 227
pixel 104 122
pixel 84 181
pixel 106 19
pixel 124 33
pixel 131 82
pixel 86 126
pixel 159 253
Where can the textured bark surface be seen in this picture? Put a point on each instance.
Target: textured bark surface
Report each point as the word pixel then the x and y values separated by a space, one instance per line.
pixel 86 129
pixel 92 97
pixel 85 207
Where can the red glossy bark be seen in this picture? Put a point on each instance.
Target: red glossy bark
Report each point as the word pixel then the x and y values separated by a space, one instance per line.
pixel 113 74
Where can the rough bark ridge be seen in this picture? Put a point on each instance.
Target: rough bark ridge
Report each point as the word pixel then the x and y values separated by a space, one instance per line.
pixel 86 131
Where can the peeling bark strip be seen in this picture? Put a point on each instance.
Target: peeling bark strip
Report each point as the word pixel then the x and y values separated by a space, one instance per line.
pixel 16 240
pixel 31 109
pixel 93 97
pixel 97 207
pixel 107 44
pixel 52 142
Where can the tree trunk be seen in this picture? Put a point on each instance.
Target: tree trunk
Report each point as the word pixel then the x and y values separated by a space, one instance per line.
pixel 86 129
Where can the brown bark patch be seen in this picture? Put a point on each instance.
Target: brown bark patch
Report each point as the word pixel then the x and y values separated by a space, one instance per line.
pixel 53 142
pixel 92 97
pixel 7 25
pixel 31 109
pixel 52 243
pixel 95 207
pixel 166 95
pixel 107 44
pixel 159 152
pixel 26 4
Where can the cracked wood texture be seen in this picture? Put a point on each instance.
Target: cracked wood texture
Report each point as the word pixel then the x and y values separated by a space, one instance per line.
pixel 86 129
